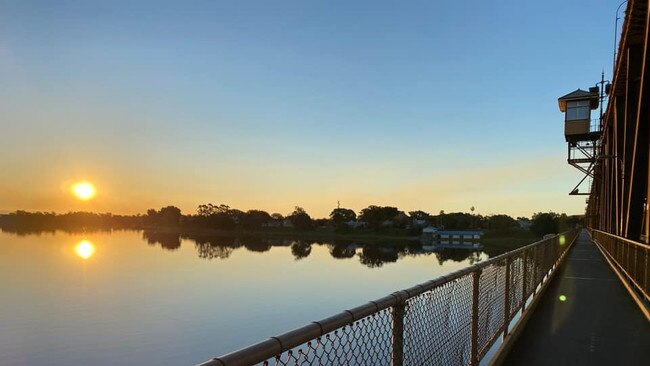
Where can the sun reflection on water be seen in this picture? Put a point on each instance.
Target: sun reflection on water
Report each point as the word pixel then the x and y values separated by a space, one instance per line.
pixel 85 249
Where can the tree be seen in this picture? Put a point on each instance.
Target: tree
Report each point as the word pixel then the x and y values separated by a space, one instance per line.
pixel 216 216
pixel 340 216
pixel 376 215
pixel 455 220
pixel 167 216
pixel 236 215
pixel 545 223
pixel 301 219
pixel 502 222
pixel 419 215
pixel 152 217
pixel 170 216
pixel 254 219
pixel 441 217
pixel 210 209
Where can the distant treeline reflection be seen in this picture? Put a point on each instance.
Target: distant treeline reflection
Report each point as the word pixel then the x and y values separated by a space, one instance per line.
pixel 373 254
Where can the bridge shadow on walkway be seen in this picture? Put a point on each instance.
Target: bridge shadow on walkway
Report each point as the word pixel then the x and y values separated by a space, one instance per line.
pixel 586 317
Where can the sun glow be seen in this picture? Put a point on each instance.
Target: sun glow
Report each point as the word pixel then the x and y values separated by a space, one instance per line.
pixel 84 190
pixel 85 249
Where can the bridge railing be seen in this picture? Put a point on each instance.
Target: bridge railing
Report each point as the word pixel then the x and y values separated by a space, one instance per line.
pixel 451 320
pixel 630 257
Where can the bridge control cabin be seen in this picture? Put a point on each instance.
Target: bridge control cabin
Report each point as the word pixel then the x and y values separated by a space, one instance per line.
pixel 577 108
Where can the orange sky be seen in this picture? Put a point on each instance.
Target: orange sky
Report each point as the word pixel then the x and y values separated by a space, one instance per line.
pixel 518 188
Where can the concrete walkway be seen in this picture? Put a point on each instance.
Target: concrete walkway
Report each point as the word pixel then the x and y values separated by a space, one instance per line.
pixel 586 317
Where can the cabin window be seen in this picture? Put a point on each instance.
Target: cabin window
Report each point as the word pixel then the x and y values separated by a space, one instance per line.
pixel 577 110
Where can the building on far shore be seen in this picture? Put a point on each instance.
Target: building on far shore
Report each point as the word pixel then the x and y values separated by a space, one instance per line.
pixel 354 224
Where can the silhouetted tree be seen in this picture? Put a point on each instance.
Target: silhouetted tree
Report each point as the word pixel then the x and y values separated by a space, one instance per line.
pixel 255 219
pixel 300 219
pixel 213 216
pixel 321 222
pixel 169 216
pixel 340 216
pixel 570 222
pixel 236 215
pixel 545 223
pixel 376 215
pixel 419 215
pixel 455 220
pixel 23 222
pixel 502 222
pixel 210 209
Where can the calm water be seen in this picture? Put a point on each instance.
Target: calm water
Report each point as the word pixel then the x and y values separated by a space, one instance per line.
pixel 133 298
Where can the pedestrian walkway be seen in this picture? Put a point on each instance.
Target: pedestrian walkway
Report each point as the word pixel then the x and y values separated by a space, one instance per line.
pixel 585 317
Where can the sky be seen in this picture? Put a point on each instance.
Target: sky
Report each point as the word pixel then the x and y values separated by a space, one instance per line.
pixel 431 105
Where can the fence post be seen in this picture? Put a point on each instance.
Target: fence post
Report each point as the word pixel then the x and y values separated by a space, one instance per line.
pixel 524 279
pixel 645 273
pixel 627 257
pixel 536 270
pixel 476 276
pixel 506 305
pixel 398 332
pixel 634 276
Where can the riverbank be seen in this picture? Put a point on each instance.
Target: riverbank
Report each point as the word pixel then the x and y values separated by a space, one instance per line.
pixel 498 241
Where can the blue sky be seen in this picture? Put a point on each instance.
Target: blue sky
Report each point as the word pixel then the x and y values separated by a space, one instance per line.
pixel 271 104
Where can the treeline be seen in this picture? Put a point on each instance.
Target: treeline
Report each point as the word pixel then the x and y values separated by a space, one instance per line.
pixel 26 222
pixel 544 223
pixel 223 217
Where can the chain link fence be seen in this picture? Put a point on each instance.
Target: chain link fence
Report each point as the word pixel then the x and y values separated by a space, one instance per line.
pixel 452 320
pixel 631 258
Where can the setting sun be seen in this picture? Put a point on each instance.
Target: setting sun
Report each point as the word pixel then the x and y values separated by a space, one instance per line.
pixel 84 190
pixel 85 249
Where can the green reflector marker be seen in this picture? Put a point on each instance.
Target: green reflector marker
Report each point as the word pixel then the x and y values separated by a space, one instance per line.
pixel 562 298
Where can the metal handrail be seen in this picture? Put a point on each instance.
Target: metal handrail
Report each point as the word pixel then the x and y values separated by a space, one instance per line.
pixel 632 258
pixel 536 262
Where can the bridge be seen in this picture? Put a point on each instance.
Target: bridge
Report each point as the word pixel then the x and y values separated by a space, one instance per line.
pixel 577 298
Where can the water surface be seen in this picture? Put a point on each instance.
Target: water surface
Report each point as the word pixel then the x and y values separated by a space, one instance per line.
pixel 133 298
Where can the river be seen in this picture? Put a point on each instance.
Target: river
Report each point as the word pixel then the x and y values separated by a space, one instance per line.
pixel 134 297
